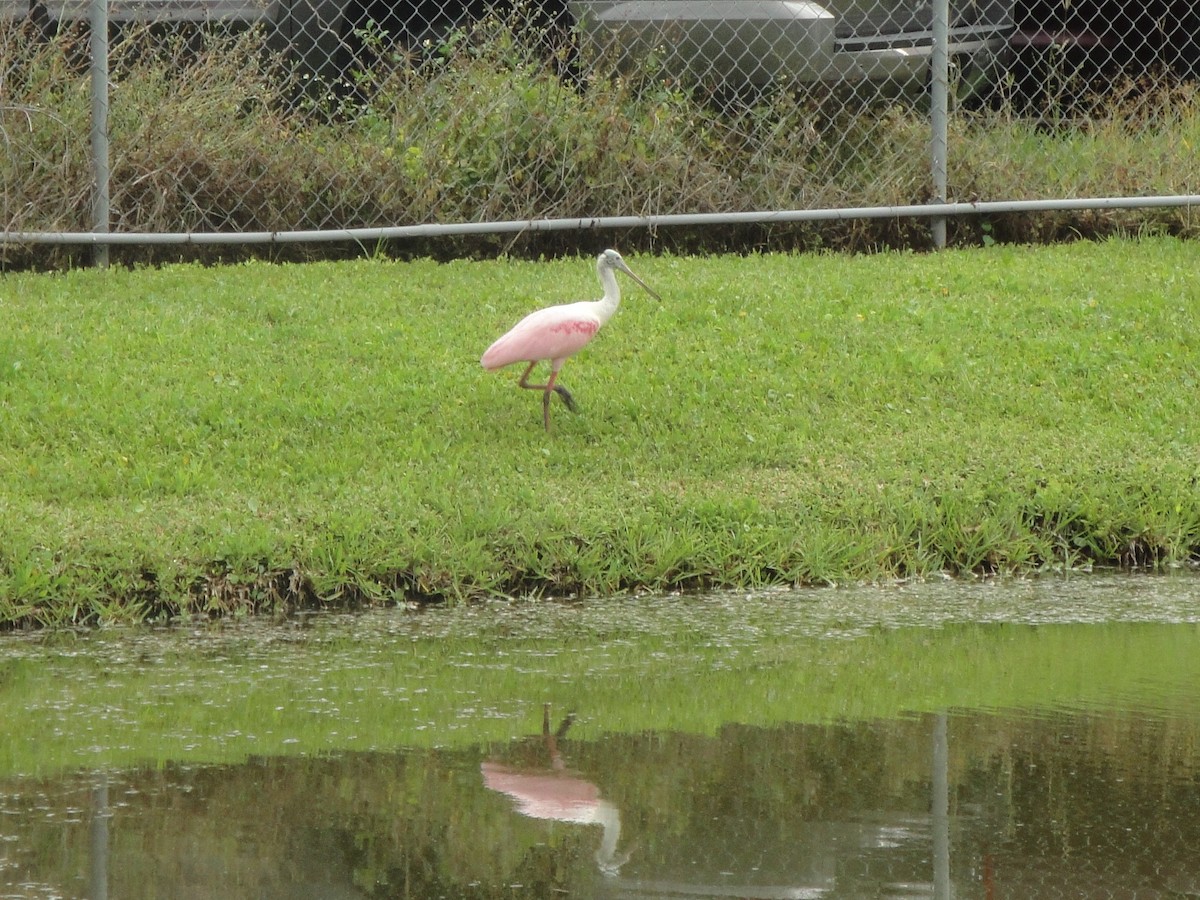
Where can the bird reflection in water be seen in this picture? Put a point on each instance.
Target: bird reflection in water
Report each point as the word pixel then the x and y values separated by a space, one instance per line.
pixel 553 792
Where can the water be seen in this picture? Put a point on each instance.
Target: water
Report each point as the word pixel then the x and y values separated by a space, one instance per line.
pixel 1001 739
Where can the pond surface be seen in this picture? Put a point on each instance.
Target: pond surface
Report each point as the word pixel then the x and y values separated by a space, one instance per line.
pixel 1017 739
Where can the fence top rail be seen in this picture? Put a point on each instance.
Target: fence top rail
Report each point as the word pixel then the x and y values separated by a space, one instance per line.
pixel 596 222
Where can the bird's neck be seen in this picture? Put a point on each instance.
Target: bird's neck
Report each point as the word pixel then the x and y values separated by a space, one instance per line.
pixel 607 305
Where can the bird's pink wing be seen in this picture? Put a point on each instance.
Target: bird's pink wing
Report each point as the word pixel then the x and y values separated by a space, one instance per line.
pixel 552 333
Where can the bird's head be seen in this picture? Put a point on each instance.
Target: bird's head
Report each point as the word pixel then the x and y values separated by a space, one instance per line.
pixel 611 259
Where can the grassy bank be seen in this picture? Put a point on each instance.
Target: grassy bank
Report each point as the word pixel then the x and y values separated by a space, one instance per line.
pixel 257 437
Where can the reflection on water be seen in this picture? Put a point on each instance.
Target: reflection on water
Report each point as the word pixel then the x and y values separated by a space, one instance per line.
pixel 101 813
pixel 993 760
pixel 969 804
pixel 552 792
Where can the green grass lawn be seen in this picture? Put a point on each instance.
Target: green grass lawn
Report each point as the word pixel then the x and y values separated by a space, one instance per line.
pixel 255 437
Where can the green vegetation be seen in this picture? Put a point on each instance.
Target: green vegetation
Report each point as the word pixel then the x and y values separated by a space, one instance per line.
pixel 201 441
pixel 218 137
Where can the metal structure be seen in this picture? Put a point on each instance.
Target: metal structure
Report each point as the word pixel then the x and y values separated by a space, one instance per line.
pixel 282 121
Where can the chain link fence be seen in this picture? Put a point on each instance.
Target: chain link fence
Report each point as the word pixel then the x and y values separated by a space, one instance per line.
pixel 838 123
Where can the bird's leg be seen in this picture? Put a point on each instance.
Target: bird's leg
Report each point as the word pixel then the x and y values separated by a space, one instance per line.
pixel 544 388
pixel 566 398
pixel 546 398
pixel 547 388
pixel 524 382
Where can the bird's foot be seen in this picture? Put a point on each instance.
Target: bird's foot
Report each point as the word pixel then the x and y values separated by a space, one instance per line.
pixel 567 398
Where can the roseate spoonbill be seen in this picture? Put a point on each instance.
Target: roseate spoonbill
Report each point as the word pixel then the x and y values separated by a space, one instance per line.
pixel 558 332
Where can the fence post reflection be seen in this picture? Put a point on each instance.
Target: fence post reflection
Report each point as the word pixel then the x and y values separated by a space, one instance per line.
pixel 940 803
pixel 101 813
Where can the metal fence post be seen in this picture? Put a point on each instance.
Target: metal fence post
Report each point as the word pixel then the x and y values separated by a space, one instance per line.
pixel 98 22
pixel 939 102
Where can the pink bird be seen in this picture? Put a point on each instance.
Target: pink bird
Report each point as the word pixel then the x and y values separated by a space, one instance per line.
pixel 558 332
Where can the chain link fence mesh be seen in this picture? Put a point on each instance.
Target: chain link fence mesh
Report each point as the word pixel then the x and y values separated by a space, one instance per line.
pixel 233 116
